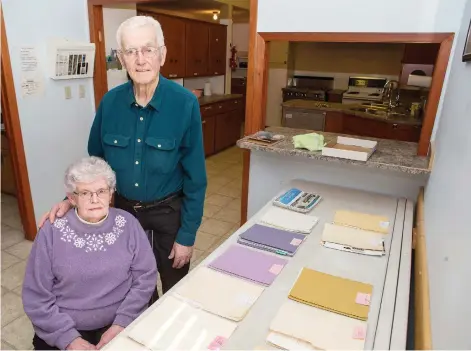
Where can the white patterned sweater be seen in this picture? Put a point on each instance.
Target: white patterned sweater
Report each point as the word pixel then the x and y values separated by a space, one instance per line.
pixel 84 277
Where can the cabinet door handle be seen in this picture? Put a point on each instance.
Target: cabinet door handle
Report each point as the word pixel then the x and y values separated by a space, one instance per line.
pixel 208 108
pixel 215 73
pixel 195 74
pixel 220 106
pixel 204 122
pixel 395 126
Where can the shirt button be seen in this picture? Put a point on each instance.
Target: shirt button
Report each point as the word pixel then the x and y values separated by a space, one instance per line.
pixel 137 184
pixel 136 105
pixel 138 140
pixel 116 141
pixel 159 145
pixel 137 162
pixel 142 118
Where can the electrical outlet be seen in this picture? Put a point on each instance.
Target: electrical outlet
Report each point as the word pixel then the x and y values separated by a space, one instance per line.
pixel 81 91
pixel 68 92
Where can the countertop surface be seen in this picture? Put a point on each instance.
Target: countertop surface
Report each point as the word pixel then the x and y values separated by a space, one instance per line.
pixel 389 155
pixel 206 100
pixel 390 285
pixel 346 108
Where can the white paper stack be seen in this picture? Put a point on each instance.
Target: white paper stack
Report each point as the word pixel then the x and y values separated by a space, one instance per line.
pixel 288 220
pixel 299 326
pixel 176 325
pixel 224 295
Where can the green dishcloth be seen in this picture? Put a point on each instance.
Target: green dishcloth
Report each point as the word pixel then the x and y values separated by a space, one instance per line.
pixel 311 141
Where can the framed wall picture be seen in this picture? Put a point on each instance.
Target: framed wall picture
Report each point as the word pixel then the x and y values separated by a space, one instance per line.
pixel 467 46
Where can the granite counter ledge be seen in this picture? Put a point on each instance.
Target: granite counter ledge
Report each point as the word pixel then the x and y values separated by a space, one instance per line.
pixel 391 155
pixel 212 99
pixel 347 109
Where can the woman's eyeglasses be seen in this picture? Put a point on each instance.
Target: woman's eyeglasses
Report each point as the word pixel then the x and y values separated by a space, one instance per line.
pixel 87 195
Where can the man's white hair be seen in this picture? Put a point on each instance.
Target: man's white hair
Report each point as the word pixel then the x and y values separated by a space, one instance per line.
pixel 140 21
pixel 87 170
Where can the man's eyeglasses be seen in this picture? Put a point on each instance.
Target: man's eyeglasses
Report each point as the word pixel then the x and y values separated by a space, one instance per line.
pixel 146 51
pixel 87 195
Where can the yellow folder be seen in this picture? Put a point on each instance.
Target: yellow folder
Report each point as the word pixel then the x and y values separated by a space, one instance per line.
pixel 364 221
pixel 331 293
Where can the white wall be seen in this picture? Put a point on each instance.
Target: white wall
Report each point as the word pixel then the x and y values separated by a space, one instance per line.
pixel 277 79
pixel 217 83
pixel 369 16
pixel 447 209
pixel 55 130
pixel 112 18
pixel 269 173
pixel 240 36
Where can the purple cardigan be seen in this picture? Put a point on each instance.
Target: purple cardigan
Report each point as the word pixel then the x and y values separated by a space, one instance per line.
pixel 84 277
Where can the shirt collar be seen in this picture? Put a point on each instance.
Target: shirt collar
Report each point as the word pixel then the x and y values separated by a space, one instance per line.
pixel 156 100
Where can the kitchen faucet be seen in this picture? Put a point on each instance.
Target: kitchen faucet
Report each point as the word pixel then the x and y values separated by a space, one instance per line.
pixel 389 93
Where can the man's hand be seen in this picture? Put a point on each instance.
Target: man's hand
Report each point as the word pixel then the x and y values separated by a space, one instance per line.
pixel 57 211
pixel 80 344
pixel 109 335
pixel 181 255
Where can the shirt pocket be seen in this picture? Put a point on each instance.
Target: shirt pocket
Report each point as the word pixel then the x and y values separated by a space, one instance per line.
pixel 116 150
pixel 161 154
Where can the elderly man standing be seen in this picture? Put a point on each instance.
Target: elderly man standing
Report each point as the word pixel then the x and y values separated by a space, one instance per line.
pixel 149 131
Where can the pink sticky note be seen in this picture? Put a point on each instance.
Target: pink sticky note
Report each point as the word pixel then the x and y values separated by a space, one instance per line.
pixel 359 333
pixel 363 299
pixel 296 242
pixel 276 269
pixel 217 343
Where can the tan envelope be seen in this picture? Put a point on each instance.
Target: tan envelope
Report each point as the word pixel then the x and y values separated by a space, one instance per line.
pixel 334 294
pixel 364 221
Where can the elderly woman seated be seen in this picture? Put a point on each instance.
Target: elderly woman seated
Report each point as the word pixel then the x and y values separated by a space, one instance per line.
pixel 91 272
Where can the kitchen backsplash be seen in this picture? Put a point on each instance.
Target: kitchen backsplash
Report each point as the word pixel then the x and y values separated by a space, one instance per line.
pixel 217 83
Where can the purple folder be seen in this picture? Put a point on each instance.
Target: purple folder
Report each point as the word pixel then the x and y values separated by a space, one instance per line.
pixel 273 238
pixel 249 264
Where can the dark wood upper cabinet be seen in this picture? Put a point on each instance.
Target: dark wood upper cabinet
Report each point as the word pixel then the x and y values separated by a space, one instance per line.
pixel 425 54
pixel 217 49
pixel 197 48
pixel 174 32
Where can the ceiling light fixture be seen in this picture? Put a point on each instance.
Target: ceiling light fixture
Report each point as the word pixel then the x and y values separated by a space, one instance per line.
pixel 215 15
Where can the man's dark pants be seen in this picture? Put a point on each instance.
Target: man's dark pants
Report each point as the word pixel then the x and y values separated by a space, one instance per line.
pixel 164 220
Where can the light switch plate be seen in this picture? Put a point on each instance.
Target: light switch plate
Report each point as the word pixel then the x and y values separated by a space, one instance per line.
pixel 68 92
pixel 81 91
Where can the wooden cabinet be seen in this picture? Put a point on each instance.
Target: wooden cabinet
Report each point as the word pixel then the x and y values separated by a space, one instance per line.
pixel 8 183
pixel 217 49
pixel 194 48
pixel 174 31
pixel 197 48
pixel 239 86
pixel 333 122
pixel 209 129
pixel 222 124
pixel 355 125
pixel 420 53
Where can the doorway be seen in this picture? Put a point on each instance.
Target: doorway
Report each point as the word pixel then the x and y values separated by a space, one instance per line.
pixel 17 209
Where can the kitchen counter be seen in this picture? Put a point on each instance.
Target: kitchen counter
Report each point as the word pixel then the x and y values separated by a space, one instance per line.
pixel 391 155
pixel 206 100
pixel 346 108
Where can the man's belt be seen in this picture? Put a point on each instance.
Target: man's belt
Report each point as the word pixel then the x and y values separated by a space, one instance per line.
pixel 143 206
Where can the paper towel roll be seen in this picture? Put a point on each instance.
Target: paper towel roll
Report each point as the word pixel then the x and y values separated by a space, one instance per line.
pixel 419 81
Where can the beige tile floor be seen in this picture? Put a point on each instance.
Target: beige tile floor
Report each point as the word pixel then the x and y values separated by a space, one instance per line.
pixel 221 219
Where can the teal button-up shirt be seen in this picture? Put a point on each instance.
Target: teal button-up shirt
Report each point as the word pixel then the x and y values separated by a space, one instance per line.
pixel 155 150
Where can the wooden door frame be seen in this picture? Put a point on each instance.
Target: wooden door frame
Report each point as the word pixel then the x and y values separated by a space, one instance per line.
pixel 257 77
pixel 15 139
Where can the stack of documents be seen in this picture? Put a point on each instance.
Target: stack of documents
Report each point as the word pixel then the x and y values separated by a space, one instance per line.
pixel 364 221
pixel 245 263
pixel 271 239
pixel 289 220
pixel 299 326
pixel 219 293
pixel 322 312
pixel 352 240
pixel 331 293
pixel 177 325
